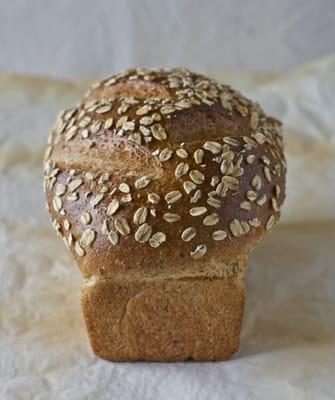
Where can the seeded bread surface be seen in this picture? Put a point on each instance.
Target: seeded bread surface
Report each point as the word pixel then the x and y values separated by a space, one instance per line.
pixel 162 179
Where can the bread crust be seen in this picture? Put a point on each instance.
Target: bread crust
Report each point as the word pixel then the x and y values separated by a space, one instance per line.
pixel 163 318
pixel 160 174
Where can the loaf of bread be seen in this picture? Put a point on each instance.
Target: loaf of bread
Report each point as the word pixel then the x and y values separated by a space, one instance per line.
pixel 160 182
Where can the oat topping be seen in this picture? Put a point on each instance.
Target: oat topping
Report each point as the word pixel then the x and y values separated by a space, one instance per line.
pixel 196 197
pixel 113 206
pixel 211 219
pixel 158 132
pixel 200 178
pixel 256 182
pixel 277 190
pixel 188 234
pixel 251 195
pixel 140 215
pixel 165 155
pixel 189 186
pixel 113 237
pixel 96 200
pixel 86 217
pixel 245 205
pixel 143 233
pixel 79 250
pixel 254 222
pixel 170 217
pixel 122 226
pixel 142 182
pixel 199 251
pixel 274 204
pixel 173 196
pixel 198 156
pixel 67 224
pixel 212 201
pixel 251 158
pixel 236 228
pixel 108 123
pixel 60 189
pixel 105 227
pixel 221 189
pixel 154 198
pixel 196 211
pixel 270 222
pixel 124 188
pixel 57 203
pixel 267 174
pixel 87 238
pixel 261 200
pixel 213 147
pixel 219 234
pixel 181 170
pixel 182 153
pixel 157 239
pixel 197 177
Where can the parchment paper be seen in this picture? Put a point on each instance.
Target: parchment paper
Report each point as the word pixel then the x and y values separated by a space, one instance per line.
pixel 288 339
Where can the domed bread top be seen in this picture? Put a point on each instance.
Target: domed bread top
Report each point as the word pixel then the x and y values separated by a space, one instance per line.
pixel 165 170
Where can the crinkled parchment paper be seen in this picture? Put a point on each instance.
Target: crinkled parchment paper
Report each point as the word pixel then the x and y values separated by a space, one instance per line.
pixel 288 339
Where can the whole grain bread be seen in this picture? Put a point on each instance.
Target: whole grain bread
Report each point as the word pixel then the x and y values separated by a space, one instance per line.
pixel 160 182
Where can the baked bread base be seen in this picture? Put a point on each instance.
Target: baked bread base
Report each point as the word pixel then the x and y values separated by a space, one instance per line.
pixel 160 318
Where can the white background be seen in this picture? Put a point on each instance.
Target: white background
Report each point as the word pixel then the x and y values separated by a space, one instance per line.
pixel 88 39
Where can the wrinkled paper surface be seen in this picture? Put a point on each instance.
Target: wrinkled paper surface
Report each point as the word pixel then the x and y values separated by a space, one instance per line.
pixel 287 346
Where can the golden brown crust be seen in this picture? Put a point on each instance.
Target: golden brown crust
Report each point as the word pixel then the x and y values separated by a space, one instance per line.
pixel 163 319
pixel 160 183
pixel 207 145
